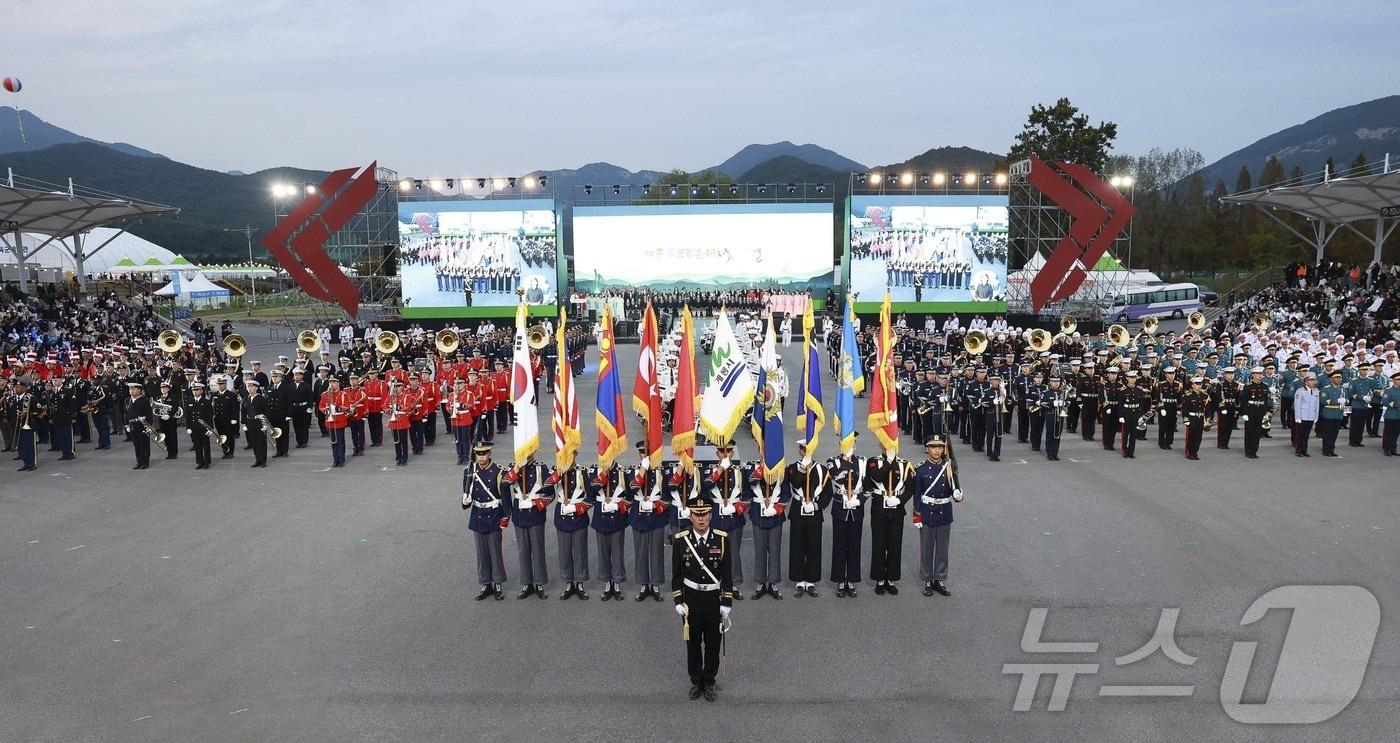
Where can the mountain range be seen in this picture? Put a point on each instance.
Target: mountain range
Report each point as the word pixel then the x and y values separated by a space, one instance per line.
pixel 32 133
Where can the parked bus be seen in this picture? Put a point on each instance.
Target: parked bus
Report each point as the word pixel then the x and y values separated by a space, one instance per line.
pixel 1167 300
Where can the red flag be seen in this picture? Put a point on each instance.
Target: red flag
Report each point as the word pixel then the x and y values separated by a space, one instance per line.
pixel 884 416
pixel 687 395
pixel 646 395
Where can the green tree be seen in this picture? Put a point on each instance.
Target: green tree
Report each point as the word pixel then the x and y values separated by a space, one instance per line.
pixel 1272 174
pixel 690 188
pixel 1170 200
pixel 1061 133
pixel 1359 166
pixel 1295 176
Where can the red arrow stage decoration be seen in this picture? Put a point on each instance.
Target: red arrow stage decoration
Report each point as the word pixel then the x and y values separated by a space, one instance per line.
pixel 1098 213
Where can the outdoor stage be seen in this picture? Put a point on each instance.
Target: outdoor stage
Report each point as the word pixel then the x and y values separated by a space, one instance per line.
pixel 302 603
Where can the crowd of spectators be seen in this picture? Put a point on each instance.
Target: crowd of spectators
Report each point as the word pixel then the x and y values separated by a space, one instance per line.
pixel 52 320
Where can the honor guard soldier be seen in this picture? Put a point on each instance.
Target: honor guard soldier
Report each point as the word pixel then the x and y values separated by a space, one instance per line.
pixel 530 498
pixel 648 521
pixel 62 408
pixel 608 495
pixel 1168 407
pixel 1333 401
pixel 1390 411
pixel 138 419
pixel 1225 398
pixel 1133 402
pixel 1088 389
pixel 483 490
pixel 767 512
pixel 846 474
pixel 683 485
pixel 726 489
pixel 888 481
pixel 974 398
pixel 1026 386
pixel 935 484
pixel 1306 402
pixel 571 528
pixel 279 405
pixel 1110 395
pixel 199 410
pixel 1255 403
pixel 168 421
pixel 254 416
pixel 300 401
pixel 704 593
pixel 1054 412
pixel 807 481
pixel 994 399
pixel 1379 385
pixel 1195 406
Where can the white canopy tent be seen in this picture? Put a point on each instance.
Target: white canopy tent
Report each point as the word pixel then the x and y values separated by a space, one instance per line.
pixel 191 288
pixel 124 252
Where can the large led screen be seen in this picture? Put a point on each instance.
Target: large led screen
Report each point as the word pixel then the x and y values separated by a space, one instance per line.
pixel 929 248
pixel 478 253
pixel 705 246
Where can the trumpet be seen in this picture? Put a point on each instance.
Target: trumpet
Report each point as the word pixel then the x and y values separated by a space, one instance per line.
pixel 234 345
pixel 268 429
pixel 309 341
pixel 207 429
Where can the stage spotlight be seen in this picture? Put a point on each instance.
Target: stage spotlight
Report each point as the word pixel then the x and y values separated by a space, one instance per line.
pixel 1128 181
pixel 762 188
pixel 987 180
pixel 694 190
pixel 277 191
pixel 511 182
pixel 733 190
pixel 1001 179
pixel 673 190
pixel 860 178
pixel 957 180
pixel 451 183
pixel 544 181
pixel 417 184
pixel 907 178
pixel 617 190
pixel 529 181
pixel 587 189
pixel 436 184
pixel 713 189
pixel 821 188
pixel 939 179
pixel 874 179
pixel 792 188
pixel 481 183
pixel 646 189
pixel 405 184
pixel 1116 181
pixel 310 189
pixel 969 179
pixel 923 180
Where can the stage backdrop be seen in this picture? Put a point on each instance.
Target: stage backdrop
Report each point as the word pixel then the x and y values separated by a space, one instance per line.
pixel 707 246
pixel 935 253
pixel 478 251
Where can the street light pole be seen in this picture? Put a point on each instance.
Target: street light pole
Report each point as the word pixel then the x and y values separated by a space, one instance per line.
pixel 248 235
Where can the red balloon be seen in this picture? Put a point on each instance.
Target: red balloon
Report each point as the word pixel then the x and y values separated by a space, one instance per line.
pixel 12 84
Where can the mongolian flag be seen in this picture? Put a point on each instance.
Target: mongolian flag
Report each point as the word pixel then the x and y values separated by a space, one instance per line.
pixel 884 416
pixel 850 381
pixel 646 395
pixel 811 417
pixel 567 436
pixel 687 395
pixel 611 415
pixel 522 392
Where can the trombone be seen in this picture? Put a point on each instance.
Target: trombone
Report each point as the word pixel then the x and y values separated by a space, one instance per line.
pixel 268 429
pixel 156 437
pixel 208 430
pixel 308 341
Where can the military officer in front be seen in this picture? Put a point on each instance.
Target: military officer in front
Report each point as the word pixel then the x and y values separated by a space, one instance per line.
pixel 704 594
pixel 484 489
pixel 936 488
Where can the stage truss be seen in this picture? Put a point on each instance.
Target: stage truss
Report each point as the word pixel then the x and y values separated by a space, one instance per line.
pixel 1037 225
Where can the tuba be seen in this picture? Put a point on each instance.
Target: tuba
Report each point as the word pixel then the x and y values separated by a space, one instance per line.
pixel 1260 321
pixel 1149 324
pixel 169 341
pixel 1196 320
pixel 446 341
pixel 975 342
pixel 536 337
pixel 1068 324
pixel 387 342
pixel 1118 335
pixel 1039 340
pixel 234 345
pixel 308 341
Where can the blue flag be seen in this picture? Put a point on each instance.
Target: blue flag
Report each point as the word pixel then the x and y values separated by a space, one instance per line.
pixel 850 381
pixel 768 428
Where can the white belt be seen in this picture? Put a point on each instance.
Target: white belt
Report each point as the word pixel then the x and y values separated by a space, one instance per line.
pixel 942 501
pixel 493 503
pixel 700 586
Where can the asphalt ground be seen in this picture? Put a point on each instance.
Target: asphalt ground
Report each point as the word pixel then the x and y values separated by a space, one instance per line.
pixel 303 603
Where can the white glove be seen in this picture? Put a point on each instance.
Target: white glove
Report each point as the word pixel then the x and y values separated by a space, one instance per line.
pixel 682 609
pixel 466 499
pixel 1164 411
pixel 684 513
pixel 1120 420
pixel 919 525
pixel 1244 418
pixel 724 611
pixel 957 495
